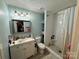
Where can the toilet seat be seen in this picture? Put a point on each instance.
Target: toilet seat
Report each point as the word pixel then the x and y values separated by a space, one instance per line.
pixel 41 46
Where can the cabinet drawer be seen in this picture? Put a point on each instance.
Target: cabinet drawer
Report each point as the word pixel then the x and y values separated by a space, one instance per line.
pixel 25 45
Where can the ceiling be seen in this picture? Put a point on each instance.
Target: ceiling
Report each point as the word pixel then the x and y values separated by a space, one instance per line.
pixel 41 5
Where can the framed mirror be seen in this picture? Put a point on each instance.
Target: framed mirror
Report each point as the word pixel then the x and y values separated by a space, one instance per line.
pixel 18 26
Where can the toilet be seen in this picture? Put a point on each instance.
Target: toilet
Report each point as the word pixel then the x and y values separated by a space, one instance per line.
pixel 41 46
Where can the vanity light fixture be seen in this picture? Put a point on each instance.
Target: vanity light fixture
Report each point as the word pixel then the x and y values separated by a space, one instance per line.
pixel 16 14
pixel 26 13
pixel 60 22
pixel 15 11
pixel 22 14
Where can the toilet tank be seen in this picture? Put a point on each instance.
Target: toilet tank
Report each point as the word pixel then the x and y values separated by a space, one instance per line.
pixel 38 39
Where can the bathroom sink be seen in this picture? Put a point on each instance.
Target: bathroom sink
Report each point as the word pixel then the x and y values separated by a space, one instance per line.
pixel 20 41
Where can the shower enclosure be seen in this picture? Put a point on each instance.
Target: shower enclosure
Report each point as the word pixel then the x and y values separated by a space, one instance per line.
pixel 63 30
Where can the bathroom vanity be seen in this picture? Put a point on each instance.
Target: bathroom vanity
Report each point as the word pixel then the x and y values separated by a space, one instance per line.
pixel 23 48
pixel 1 52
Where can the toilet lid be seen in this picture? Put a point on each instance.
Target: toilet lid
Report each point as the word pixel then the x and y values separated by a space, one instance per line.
pixel 42 46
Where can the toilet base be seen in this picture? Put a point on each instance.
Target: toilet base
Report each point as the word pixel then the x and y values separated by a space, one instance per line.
pixel 41 51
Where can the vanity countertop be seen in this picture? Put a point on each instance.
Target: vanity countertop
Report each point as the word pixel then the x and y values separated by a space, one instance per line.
pixel 21 41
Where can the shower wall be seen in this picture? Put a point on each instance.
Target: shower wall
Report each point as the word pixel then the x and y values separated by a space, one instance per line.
pixel 49 27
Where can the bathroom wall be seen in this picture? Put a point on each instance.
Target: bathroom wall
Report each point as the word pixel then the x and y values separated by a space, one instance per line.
pixel 34 17
pixel 4 28
pixel 49 27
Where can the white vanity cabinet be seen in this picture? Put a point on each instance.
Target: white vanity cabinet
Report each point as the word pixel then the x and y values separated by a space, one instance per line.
pixel 23 51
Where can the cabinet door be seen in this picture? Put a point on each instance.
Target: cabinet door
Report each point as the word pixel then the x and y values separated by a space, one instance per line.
pixel 23 50
pixel 29 49
pixel 16 52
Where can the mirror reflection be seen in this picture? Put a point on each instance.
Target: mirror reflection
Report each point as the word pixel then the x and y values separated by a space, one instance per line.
pixel 18 26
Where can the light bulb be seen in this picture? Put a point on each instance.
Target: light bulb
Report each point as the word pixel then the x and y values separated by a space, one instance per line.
pixel 60 22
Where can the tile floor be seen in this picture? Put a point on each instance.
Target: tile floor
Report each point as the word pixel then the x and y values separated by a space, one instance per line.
pixel 49 56
pixel 55 49
pixel 46 55
pixel 39 56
